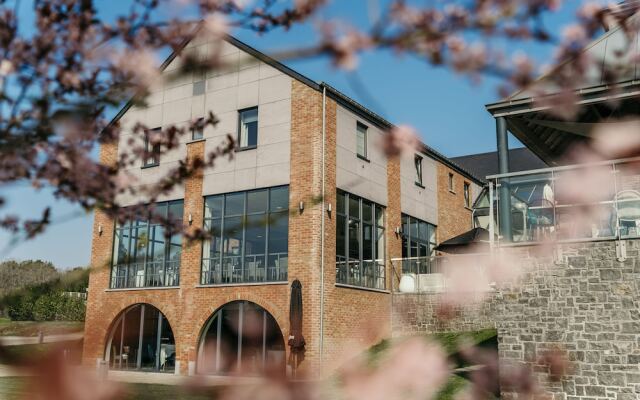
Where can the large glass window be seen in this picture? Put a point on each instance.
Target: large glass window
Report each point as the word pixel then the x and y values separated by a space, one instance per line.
pixel 359 242
pixel 141 339
pixel 418 243
pixel 248 128
pixel 241 338
pixel 145 253
pixel 249 237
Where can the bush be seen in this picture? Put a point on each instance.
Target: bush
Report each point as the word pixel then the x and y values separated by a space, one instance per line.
pixel 58 307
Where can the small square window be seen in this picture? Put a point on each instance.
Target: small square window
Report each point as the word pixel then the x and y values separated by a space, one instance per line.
pixel 467 195
pixel 450 182
pixel 151 148
pixel 248 128
pixel 361 140
pixel 198 87
pixel 197 132
pixel 418 164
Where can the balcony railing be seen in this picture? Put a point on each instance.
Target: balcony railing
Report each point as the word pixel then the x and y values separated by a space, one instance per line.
pixel 430 274
pixel 573 203
pixel 149 274
pixel 231 269
pixel 366 273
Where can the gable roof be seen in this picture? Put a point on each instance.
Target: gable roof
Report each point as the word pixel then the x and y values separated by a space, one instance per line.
pixel 486 164
pixel 332 92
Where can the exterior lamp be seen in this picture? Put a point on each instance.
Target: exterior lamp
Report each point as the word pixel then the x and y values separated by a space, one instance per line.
pixel 301 206
pixel 190 219
pixel 100 229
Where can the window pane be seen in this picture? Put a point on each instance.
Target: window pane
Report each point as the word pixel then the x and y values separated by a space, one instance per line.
pixel 212 247
pixel 379 248
pixel 413 228
pixel 279 199
pixel 367 242
pixel 367 211
pixel 257 201
pixel 354 208
pixel 213 207
pixel 139 244
pixel 380 216
pixel 255 235
pixel 176 210
pixel 354 239
pixel 156 243
pixel 121 246
pixel 361 140
pixel 232 237
pixel 422 231
pixel 234 204
pixel 279 233
pixel 340 203
pixel 432 234
pixel 198 131
pixel 341 231
pixel 249 127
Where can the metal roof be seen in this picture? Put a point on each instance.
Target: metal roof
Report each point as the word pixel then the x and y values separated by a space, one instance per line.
pixel 548 136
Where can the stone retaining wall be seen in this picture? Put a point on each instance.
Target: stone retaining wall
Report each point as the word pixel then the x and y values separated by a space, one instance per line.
pixel 587 304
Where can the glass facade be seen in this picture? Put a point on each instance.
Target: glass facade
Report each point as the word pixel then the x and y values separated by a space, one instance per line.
pixel 418 242
pixel 359 242
pixel 241 338
pixel 142 339
pixel 145 254
pixel 249 237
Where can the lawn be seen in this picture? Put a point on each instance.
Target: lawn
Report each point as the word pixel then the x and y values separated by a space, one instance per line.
pixel 15 388
pixel 32 328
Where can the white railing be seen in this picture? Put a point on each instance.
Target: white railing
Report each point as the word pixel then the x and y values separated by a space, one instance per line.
pixel 430 274
pixel 586 202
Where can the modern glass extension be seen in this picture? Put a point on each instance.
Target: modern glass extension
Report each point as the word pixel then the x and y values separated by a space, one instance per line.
pixel 359 242
pixel 145 254
pixel 249 237
pixel 418 242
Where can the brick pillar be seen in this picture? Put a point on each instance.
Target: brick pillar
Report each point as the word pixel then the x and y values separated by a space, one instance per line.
pixel 100 271
pixel 394 220
pixel 305 227
pixel 190 260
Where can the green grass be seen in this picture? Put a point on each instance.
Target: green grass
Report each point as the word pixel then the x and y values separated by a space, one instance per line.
pixel 32 328
pixel 15 388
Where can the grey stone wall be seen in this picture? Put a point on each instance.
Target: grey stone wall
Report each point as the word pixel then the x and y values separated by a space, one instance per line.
pixel 586 305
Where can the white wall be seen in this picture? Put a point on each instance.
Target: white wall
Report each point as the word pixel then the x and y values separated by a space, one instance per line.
pixel 243 82
pixel 354 175
pixel 421 203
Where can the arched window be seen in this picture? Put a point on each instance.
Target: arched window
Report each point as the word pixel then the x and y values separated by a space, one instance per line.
pixel 241 338
pixel 141 338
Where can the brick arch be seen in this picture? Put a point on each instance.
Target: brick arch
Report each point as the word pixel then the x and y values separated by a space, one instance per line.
pixel 115 310
pixel 206 313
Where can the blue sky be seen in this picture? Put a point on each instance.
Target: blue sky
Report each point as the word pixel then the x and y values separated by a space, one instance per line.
pixel 447 109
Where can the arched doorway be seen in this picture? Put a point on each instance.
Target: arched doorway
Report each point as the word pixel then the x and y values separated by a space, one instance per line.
pixel 241 338
pixel 142 339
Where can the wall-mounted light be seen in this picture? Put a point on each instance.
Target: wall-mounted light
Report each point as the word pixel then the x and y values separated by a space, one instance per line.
pixel 190 219
pixel 100 229
pixel 398 230
pixel 301 206
pixel 329 208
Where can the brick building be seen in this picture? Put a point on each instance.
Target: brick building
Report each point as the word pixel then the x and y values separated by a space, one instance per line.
pixel 307 195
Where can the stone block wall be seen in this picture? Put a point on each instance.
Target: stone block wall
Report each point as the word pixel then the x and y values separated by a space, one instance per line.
pixel 586 303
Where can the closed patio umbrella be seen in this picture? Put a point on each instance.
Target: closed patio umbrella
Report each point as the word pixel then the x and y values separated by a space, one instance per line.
pixel 296 340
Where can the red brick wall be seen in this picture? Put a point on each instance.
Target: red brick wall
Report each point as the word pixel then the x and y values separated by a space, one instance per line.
pixel 453 217
pixel 353 319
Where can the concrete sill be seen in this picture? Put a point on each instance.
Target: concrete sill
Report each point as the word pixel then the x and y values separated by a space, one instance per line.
pixel 345 286
pixel 420 185
pixel 365 159
pixel 142 288
pixel 150 166
pixel 213 285
pixel 247 148
pixel 196 141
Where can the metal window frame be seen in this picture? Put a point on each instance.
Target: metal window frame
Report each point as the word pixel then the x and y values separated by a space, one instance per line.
pixel 239 133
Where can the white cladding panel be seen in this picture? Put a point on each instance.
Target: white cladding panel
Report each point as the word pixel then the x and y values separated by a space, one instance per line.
pixel 367 179
pixel 242 82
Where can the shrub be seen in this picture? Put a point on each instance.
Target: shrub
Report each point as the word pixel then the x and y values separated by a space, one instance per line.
pixel 58 307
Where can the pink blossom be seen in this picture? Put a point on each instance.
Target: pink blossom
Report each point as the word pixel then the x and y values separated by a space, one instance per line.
pixel 216 24
pixel 401 139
